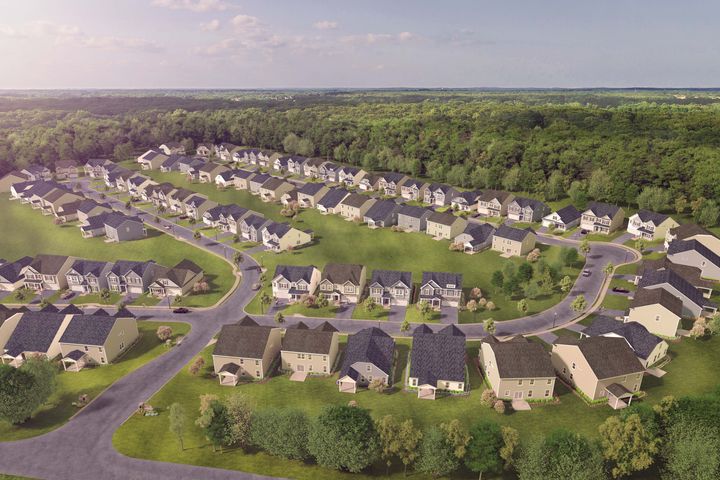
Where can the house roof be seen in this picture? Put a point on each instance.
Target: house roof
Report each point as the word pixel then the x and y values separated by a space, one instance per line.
pixel 679 246
pixel 524 202
pixel 443 218
pixel 686 230
pixel 115 220
pixel 520 358
pixel 441 187
pixel 510 233
pixel 48 264
pixel 381 210
pixel 489 195
pixel 34 332
pixel 356 200
pixel 315 162
pixel 311 188
pixel 308 341
pixel 173 144
pixel 413 182
pixel 71 309
pixel 392 177
pixel 600 209
pixel 88 330
pixel 255 221
pixel 437 356
pixel 658 277
pixel 371 345
pixel 479 232
pixel 340 273
pixel 688 272
pixel 65 164
pixel 443 279
pixel 469 197
pixel 97 162
pixel 12 271
pixel 648 216
pixel 414 211
pixel 568 214
pixel 333 197
pixel 640 340
pixel 273 183
pixel 123 267
pixel 86 267
pixel 608 357
pixel 210 167
pixel 653 296
pixel 242 339
pixel 388 278
pixel 278 228
pixel 293 273
pixel 261 178
pixel 124 313
pixel 183 272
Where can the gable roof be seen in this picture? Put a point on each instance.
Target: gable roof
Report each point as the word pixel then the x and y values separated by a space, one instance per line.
pixel 88 329
pixel 86 267
pixel 273 183
pixel 443 279
pixel 392 177
pixel 293 273
pixel 370 345
pixel 686 230
pixel 332 197
pixel 673 279
pixel 71 309
pixel 608 357
pixel 414 211
pixel 254 221
pixel 356 200
pixel 489 195
pixel 340 273
pixel 652 296
pixel 520 358
pixel 679 246
pixel 568 214
pixel 443 218
pixel 510 233
pixel 524 202
pixel 311 188
pixel 437 356
pixel 34 332
pixel 123 267
pixel 12 271
pixel 317 340
pixel 469 197
pixel 388 278
pixel 600 209
pixel 115 220
pixel 648 216
pixel 242 339
pixel 479 232
pixel 688 272
pixel 640 340
pixel 260 178
pixel 48 264
pixel 381 210
pixel 278 228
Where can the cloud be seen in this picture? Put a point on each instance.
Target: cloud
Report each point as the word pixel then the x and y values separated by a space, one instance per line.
pixel 192 5
pixel 241 22
pixel 325 25
pixel 378 38
pixel 211 26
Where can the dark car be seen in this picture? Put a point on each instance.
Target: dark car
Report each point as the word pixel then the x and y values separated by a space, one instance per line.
pixel 181 310
pixel 620 290
pixel 583 232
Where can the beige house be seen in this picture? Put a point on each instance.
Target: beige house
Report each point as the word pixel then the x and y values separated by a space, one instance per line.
pixel 310 194
pixel 280 237
pixel 209 171
pixel 599 367
pixel 48 272
pixel 693 253
pixel 176 281
pixel 517 368
pixel 242 179
pixel 11 178
pixel 602 218
pixel 311 351
pixel 31 334
pixel 11 274
pixel 292 282
pixel 691 231
pixel 513 241
pixel 274 188
pixel 657 310
pixel 96 340
pixel 369 355
pixel 494 203
pixel 151 160
pixel 648 348
pixel 650 225
pixel 245 349
pixel 443 225
pixel 437 361
pixel 342 283
pixel 355 206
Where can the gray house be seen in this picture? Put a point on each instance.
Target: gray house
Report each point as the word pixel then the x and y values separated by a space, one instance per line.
pixel 441 289
pixel 412 218
pixel 437 361
pixel 694 303
pixel 695 254
pixel 529 210
pixel 383 213
pixel 369 356
pixel 476 237
pixel 391 287
pixel 87 276
pixel 330 202
pixel 119 227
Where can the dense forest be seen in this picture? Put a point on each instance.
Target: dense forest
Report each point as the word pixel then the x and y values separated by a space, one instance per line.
pixel 609 153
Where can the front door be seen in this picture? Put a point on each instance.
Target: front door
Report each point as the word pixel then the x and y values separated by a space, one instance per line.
pixel 386 301
pixel 518 395
pixel 301 368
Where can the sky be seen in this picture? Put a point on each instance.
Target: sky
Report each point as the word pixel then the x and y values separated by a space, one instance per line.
pixel 358 44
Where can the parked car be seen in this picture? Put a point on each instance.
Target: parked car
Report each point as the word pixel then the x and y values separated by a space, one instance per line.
pixel 256 286
pixel 586 273
pixel 583 232
pixel 181 310
pixel 620 290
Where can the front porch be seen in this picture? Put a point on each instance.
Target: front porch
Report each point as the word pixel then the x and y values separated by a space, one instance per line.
pixel 229 374
pixel 426 392
pixel 347 385
pixel 619 397
pixel 75 361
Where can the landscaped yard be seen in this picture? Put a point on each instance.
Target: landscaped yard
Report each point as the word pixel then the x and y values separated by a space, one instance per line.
pixel 113 299
pixel 34 233
pixel 90 381
pixel 691 371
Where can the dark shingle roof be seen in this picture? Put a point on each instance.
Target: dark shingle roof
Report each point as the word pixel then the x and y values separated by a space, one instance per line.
pixel 600 209
pixel 673 279
pixel 388 278
pixel 333 197
pixel 608 357
pixel 443 218
pixel 123 267
pixel 370 345
pixel 689 230
pixel 648 216
pixel 381 210
pixel 437 356
pixel 260 178
pixel 308 341
pixel 356 200
pixel 342 272
pixel 34 332
pixel 12 271
pixel 279 229
pixel 515 234
pixel 293 273
pixel 414 211
pixel 469 197
pixel 273 183
pixel 520 358
pixel 652 296
pixel 48 264
pixel 524 202
pixel 392 177
pixel 88 330
pixel 569 214
pixel 480 232
pixel 444 279
pixel 243 339
pixel 71 310
pixel 688 272
pixel 311 188
pixel 679 246
pixel 489 195
pixel 86 267
pixel 640 340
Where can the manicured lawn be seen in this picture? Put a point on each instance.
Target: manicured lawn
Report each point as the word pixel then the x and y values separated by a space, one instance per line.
pixel 378 313
pixel 90 381
pixel 299 309
pixel 34 233
pixel 95 298
pixel 146 300
pixel 630 269
pixel 11 299
pixel 412 315
pixel 615 302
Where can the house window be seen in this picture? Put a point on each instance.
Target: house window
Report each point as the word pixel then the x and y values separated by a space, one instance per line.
pixel 414 382
pixel 368 368
pixel 571 376
pixel 507 393
pixel 573 365
pixel 86 348
pixel 519 382
pixel 636 387
pixel 324 358
pixel 100 349
pixel 257 362
pixel 547 393
pixel 564 370
pixel 532 381
pixel 309 357
pixel 102 359
pixel 529 393
pixel 242 361
pixel 324 369
pixel 550 381
pixel 657 318
pixel 257 373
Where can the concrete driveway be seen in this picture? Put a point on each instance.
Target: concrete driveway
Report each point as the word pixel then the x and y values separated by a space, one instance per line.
pixel 448 315
pixel 345 311
pixel 396 313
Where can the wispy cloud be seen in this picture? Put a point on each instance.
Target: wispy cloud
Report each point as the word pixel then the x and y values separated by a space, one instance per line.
pixel 211 26
pixel 377 38
pixel 325 25
pixel 193 5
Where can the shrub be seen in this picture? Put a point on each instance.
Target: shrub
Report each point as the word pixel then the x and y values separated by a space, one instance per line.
pixel 164 333
pixel 499 407
pixel 488 398
pixel 196 366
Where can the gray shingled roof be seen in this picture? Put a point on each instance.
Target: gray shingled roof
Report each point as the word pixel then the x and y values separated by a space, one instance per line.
pixel 356 200
pixel 254 221
pixel 370 345
pixel 524 202
pixel 443 218
pixel 489 195
pixel 34 332
pixel 679 246
pixel 88 329
pixel 673 279
pixel 12 271
pixel 515 234
pixel 273 183
pixel 392 177
pixel 655 218
pixel 381 210
pixel 641 341
pixel 480 232
pixel 293 273
pixel 414 211
pixel 86 267
pixel 443 279
pixel 279 229
pixel 688 272
pixel 388 278
pixel 600 209
pixel 689 230
pixel 437 356
pixel 332 198
pixel 311 188
pixel 340 273
pixel 243 339
pixel 652 296
pixel 608 357
pixel 308 341
pixel 48 264
pixel 569 214
pixel 520 358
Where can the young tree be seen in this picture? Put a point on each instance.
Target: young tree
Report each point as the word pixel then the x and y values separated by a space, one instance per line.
pixel 405 325
pixel 483 451
pixel 499 406
pixel 546 286
pixel 281 432
pixel 472 306
pixel 608 269
pixel 640 245
pixel 558 456
pixel 265 301
pixel 569 256
pixel 584 246
pixel 475 293
pixel 164 333
pixel 409 438
pixel 579 304
pixel 489 325
pixel 197 366
pixel 197 235
pixel 425 310
pixel 344 437
pixel 627 445
pixel 511 440
pixel 490 306
pixel 239 415
pixel 279 318
pixel 566 284
pixel 238 258
pixel 369 305
pixel 25 389
pixel 525 272
pixel 680 204
pixel 511 287
pixel 388 429
pixel 522 306
pixel 436 454
pixel 176 422
pixel 578 194
pixel 322 301
pixel 377 385
pixel 497 280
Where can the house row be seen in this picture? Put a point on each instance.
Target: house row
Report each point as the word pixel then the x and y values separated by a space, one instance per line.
pixel 346 283
pixel 598 217
pixel 59 272
pixel 114 226
pixel 78 340
pixel 48 196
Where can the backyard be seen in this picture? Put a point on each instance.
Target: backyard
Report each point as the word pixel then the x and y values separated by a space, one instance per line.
pixel 91 381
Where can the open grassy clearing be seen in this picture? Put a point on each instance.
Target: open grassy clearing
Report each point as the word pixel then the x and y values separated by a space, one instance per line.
pixel 90 381
pixel 34 233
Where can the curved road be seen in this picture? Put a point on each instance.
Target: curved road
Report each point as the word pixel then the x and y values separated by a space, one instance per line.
pixel 82 448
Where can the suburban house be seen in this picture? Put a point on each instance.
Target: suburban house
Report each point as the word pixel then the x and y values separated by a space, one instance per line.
pixel 226 179
pixel 151 160
pixel 650 225
pixel 517 369
pixel 389 183
pixel 311 167
pixel 412 218
pixel 413 190
pixel 342 283
pixel 209 171
pixel 12 178
pixel 257 181
pixel 465 201
pixel 329 203
pixel 34 334
pixel 204 150
pixel 563 219
pixel 224 151
pixel 35 172
pixel 170 148
pixel 120 228
pixel 367 182
pixel 172 164
pixel 694 303
pixel 289 197
pixel 88 276
pixel 444 225
pixel 691 231
pixel 328 172
pixel 176 281
pixel 242 179
pixel 11 274
pixel 441 289
pixel 513 241
pixel 390 287
pixel 383 213
pixel 127 276
pixel 437 361
pixel 476 237
pixel 296 164
pixel 599 367
pixel 369 355
pixel 231 220
pixel 494 203
pixel 528 210
pixel 280 164
pixel 657 310
pixel 176 199
pixel 602 218
pixel 225 217
pixel 245 349
pixel 94 167
pixel 62 204
pixel 692 275
pixel 196 205
pixel 355 205
pixel 47 272
pixel 439 194
pixel 694 253
pixel 96 340
pixel 350 176
pixel 190 167
pixel 280 237
pixel 274 188
pixel 251 227
pixel 312 351
pixel 292 282
pixel 66 169
pixel 309 194
pixel 647 347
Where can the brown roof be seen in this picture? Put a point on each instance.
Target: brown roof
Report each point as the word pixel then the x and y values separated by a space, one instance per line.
pixel 443 218
pixel 243 339
pixel 488 195
pixel 608 357
pixel 687 230
pixel 520 358
pixel 652 296
pixel 309 341
pixel 692 274
pixel 342 272
pixel 355 200
pixel 273 183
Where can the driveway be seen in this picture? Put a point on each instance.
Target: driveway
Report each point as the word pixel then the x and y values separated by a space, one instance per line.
pixel 448 315
pixel 345 311
pixel 396 313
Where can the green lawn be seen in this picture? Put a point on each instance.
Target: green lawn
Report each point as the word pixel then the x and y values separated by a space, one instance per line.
pixel 10 298
pixel 691 371
pixel 412 315
pixel 95 298
pixel 299 309
pixel 90 381
pixel 146 300
pixel 35 233
pixel 615 302
pixel 378 313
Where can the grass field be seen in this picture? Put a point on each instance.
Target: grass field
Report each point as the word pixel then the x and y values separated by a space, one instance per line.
pixel 691 371
pixel 34 233
pixel 95 298
pixel 90 381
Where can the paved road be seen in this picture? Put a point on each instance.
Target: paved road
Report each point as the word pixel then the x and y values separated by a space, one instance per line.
pixel 82 448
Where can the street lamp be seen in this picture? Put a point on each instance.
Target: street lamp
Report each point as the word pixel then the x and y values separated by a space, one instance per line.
pixel 554 319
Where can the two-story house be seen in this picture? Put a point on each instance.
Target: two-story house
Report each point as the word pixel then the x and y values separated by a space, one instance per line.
pixel 369 355
pixel 694 253
pixel 280 237
pixel 513 241
pixel 563 219
pixel 389 183
pixel 309 194
pixel 342 283
pixel 311 351
pixel 413 190
pixel 390 287
pixel 412 218
pixel 88 276
pixel 650 225
pixel 245 349
pixel 441 289
pixel 439 194
pixel 48 272
pixel 292 282
pixel 437 361
pixel 128 276
pixel 494 203
pixel 443 225
pixel 602 218
pixel 355 205
pixel 528 210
